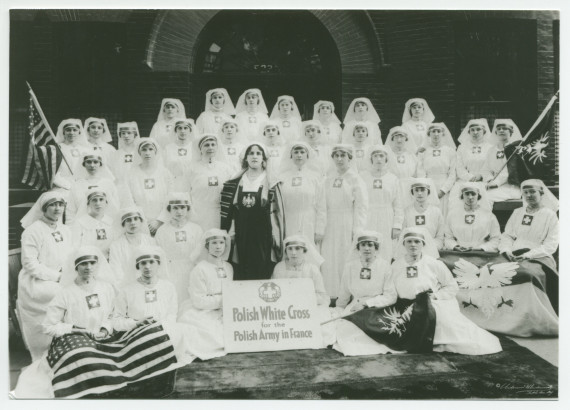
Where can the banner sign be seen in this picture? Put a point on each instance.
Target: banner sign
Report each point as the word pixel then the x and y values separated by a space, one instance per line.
pixel 268 315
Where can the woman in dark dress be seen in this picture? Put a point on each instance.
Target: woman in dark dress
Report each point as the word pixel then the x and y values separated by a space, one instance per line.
pixel 251 211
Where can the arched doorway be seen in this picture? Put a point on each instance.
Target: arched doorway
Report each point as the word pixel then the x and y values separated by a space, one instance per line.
pixel 280 52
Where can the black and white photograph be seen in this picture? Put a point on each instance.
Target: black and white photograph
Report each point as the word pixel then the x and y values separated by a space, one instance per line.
pixel 338 202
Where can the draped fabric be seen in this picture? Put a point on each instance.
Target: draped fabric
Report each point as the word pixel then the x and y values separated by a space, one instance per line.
pixel 83 366
pixel 505 297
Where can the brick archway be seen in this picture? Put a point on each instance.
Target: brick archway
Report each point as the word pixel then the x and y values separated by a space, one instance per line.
pixel 174 35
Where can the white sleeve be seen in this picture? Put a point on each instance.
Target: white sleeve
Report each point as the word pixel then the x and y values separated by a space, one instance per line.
pixel 389 294
pixel 31 244
pixel 550 243
pixel 53 324
pixel 448 287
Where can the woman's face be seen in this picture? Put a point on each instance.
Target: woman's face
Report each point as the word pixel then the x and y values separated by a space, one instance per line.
pixel 54 210
pixel 216 247
pixel 86 270
pixel 420 194
pixel 503 132
pixel 127 136
pixel 98 205
pixel 148 152
pixel 312 133
pixel 95 129
pixel 255 157
pixel 413 246
pixel 299 156
pixel 252 99
pixel 132 224
pixel 360 107
pixel 532 196
pixel 270 131
pixel 476 131
pixel 209 148
pixel 285 106
pixel 325 110
pixel 70 133
pixel 360 134
pixel 435 135
pixel 417 110
pixel 178 212
pixel 379 157
pixel 148 268
pixel 399 140
pixel 217 100
pixel 367 249
pixel 92 166
pixel 170 110
pixel 183 131
pixel 295 254
pixel 470 198
pixel 341 160
pixel 229 130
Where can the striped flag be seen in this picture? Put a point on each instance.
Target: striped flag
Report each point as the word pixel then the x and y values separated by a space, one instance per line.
pixel 44 156
pixel 82 366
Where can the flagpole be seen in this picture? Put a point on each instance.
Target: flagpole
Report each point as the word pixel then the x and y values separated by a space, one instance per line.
pixel 40 111
pixel 538 120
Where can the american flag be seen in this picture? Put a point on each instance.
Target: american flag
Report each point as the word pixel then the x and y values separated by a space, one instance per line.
pixel 44 156
pixel 82 366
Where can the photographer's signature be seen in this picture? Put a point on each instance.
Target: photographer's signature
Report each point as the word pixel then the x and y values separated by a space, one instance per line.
pixel 528 389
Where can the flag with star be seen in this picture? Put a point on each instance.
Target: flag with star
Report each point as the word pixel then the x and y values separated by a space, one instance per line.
pixel 527 158
pixel 505 296
pixel 83 366
pixel 44 156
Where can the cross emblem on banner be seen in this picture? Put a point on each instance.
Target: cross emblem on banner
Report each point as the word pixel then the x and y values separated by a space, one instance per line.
pixel 149 183
pixel 57 236
pixel 180 236
pixel 377 184
pixel 213 181
pixel 269 292
pixel 500 154
pixel 469 219
pixel 252 120
pixel 420 220
pixel 359 153
pixel 93 301
pixel 337 183
pixel 401 159
pixel 297 181
pixel 182 152
pixel 476 150
pixel 286 124
pixel 150 296
pixel 128 158
pixel 231 151
pixel 101 234
pixel 436 153
pixel 527 220
pixel 412 272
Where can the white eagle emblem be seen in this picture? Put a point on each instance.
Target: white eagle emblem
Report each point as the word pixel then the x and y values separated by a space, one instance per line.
pixel 536 150
pixel 396 322
pixel 489 278
pixel 248 201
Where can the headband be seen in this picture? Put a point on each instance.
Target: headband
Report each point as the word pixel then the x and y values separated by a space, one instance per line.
pixel 131 215
pixel 96 194
pixel 206 138
pixel 86 258
pixel 149 257
pixel 368 238
pixel 414 235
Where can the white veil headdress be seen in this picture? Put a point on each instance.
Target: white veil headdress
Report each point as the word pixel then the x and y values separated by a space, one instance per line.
pixel 427 116
pixel 242 106
pixel 106 137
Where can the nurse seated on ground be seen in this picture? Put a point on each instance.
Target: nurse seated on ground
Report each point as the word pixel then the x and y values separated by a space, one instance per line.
pixel 415 273
pixel 151 297
pixel 301 260
pixel 204 308
pixel 366 282
pixel 471 226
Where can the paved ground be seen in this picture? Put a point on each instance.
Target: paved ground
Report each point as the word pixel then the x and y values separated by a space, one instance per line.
pixel 547 348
